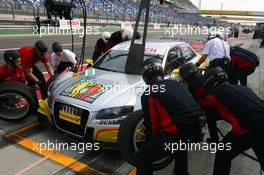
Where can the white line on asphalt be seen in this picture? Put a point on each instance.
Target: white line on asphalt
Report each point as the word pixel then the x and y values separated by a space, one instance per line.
pixel 33 165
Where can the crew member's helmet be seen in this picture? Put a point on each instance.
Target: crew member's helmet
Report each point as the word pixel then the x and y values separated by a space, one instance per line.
pixel 56 47
pixel 40 48
pixel 127 34
pixel 187 70
pixel 214 77
pixel 106 36
pixel 216 35
pixel 152 69
pixel 10 57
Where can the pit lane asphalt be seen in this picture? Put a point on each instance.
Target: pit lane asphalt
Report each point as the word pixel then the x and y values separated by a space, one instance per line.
pixel 17 159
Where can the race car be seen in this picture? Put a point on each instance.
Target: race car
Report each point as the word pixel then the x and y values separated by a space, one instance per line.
pixel 90 105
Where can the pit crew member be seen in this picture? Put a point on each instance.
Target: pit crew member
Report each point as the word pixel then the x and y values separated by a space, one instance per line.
pixel 100 46
pixel 194 79
pixel 243 109
pixel 12 70
pixel 119 37
pixel 62 59
pixel 30 55
pixel 169 116
pixel 243 64
pixel 218 52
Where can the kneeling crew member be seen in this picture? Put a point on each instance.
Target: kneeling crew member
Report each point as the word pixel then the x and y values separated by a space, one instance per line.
pixel 170 115
pixel 12 70
pixel 62 59
pixel 244 110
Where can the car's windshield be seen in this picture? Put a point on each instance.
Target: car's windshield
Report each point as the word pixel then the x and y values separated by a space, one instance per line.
pixel 116 60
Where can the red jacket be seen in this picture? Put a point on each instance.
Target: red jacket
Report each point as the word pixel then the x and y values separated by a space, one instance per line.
pixel 16 75
pixel 29 57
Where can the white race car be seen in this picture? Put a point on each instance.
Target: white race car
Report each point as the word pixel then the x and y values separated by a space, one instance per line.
pixel 90 105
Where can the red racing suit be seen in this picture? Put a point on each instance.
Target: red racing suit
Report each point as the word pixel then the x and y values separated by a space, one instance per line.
pixel 29 57
pixel 238 105
pixel 16 75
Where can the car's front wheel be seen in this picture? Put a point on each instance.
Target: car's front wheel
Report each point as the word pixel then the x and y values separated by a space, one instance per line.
pixel 17 101
pixel 131 136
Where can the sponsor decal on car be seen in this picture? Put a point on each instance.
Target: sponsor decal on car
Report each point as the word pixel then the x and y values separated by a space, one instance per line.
pixel 70 114
pixel 87 89
pixel 109 122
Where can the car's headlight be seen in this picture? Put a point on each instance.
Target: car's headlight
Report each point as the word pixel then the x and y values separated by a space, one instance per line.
pixel 112 113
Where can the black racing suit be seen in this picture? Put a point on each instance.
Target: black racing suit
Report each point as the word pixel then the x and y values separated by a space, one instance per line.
pixel 195 86
pixel 98 49
pixel 170 115
pixel 243 63
pixel 244 110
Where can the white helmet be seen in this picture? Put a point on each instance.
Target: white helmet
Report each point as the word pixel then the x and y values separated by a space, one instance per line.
pixel 216 34
pixel 221 35
pixel 106 36
pixel 127 34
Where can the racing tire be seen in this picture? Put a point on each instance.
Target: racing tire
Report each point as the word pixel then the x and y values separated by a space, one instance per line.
pixel 23 94
pixel 126 143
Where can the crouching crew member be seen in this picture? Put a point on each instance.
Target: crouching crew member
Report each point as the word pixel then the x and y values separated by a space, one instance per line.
pixel 192 76
pixel 218 52
pixel 243 64
pixel 62 59
pixel 189 73
pixel 29 57
pixel 100 46
pixel 243 109
pixel 12 70
pixel 170 115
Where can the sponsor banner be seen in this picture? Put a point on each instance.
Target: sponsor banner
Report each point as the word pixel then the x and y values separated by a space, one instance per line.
pixel 66 24
pixel 156 26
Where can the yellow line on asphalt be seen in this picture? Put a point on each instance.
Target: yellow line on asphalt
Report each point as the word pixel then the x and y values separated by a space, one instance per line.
pixel 32 165
pixel 25 128
pixel 57 157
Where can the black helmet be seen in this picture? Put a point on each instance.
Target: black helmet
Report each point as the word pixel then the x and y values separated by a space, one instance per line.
pixel 56 47
pixel 214 77
pixel 40 47
pixel 187 70
pixel 10 57
pixel 152 68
